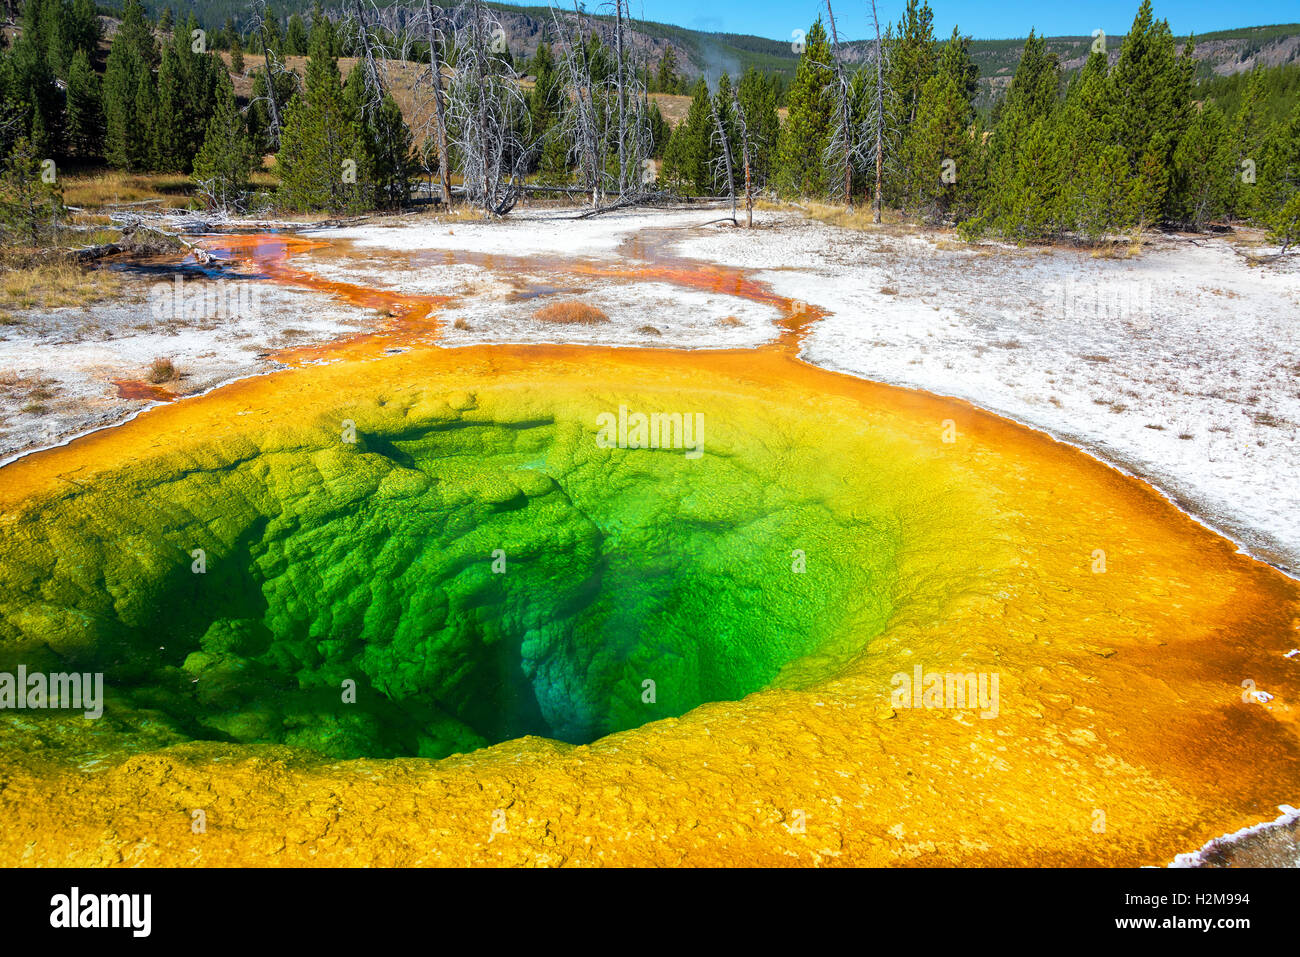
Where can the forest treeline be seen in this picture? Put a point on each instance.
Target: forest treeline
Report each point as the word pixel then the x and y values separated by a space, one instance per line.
pixel 1126 143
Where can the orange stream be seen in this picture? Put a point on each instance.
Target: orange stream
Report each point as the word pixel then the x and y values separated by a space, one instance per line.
pixel 411 319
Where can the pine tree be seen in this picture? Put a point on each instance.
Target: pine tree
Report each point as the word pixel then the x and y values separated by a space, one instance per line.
pixel 1152 91
pixel 169 124
pixel 1023 195
pixel 83 124
pixel 11 102
pixel 553 167
pixel 546 96
pixel 660 131
pixel 666 79
pixel 30 208
pixel 199 73
pixel 229 35
pixel 1278 203
pixel 82 27
pixel 39 116
pixel 128 92
pixel 1096 189
pixel 225 161
pixel 144 98
pixel 1248 130
pixel 688 154
pixel 295 38
pixel 955 60
pixel 320 147
pixel 758 98
pixel 1203 170
pixel 937 169
pixel 911 61
pixel 236 57
pixel 385 168
pixel 1031 206
pixel 800 164
pixel 134 33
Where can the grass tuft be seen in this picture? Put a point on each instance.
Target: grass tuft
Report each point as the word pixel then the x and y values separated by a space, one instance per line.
pixel 571 313
pixel 162 370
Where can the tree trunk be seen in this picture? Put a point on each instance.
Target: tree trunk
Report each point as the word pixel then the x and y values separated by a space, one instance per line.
pixel 845 117
pixel 439 109
pixel 744 148
pixel 880 118
pixel 589 124
pixel 270 91
pixel 726 156
pixel 622 109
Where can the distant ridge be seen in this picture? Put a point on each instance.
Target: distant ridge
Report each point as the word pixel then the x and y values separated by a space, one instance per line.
pixel 1222 52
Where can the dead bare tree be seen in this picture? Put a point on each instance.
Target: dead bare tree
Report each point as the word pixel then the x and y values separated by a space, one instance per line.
pixel 439 107
pixel 485 108
pixel 274 68
pixel 375 87
pixel 422 23
pixel 633 105
pixel 578 121
pixel 722 164
pixel 623 96
pixel 846 147
pixel 742 127
pixel 606 117
pixel 223 200
pixel 876 117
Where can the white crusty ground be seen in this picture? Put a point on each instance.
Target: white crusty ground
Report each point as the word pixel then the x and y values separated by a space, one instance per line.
pixel 496 301
pixel 1181 365
pixel 76 353
pixel 525 232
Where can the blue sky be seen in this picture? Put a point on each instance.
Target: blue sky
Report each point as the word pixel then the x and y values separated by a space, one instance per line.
pixel 984 19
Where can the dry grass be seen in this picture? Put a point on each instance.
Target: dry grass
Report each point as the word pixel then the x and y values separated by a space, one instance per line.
pixel 32 391
pixel 1268 419
pixel 571 313
pixel 461 324
pixel 109 187
pixel 1118 247
pixel 673 107
pixel 402 77
pixel 859 217
pixel 54 285
pixel 889 290
pixel 162 370
pixel 90 219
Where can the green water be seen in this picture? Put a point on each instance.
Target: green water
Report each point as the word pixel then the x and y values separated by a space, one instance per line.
pixel 473 581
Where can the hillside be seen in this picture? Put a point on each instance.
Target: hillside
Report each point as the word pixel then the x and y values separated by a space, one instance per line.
pixel 1222 53
pixel 1218 54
